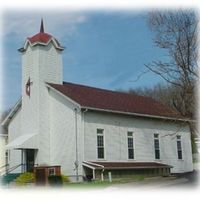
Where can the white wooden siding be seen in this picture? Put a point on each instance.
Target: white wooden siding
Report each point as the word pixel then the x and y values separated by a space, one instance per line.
pixel 63 138
pixel 116 128
pixel 41 64
pixel 14 131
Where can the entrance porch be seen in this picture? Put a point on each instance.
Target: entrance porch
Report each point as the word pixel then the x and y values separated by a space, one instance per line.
pixel 26 159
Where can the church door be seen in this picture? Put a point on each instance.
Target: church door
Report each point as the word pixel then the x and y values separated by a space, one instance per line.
pixel 30 157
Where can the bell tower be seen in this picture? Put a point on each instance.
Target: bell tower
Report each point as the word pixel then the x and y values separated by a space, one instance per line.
pixel 41 64
pixel 41 59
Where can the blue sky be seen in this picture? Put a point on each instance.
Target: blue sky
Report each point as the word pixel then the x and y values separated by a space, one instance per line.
pixel 104 49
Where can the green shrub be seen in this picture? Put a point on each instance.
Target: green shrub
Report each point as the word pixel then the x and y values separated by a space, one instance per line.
pixel 65 179
pixel 25 178
pixel 55 180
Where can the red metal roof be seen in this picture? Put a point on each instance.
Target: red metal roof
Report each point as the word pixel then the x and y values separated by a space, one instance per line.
pixel 43 38
pixel 91 97
pixel 40 37
pixel 126 165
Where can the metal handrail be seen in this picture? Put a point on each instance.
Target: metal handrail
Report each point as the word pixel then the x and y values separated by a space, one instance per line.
pixel 10 169
pixel 13 168
pixel 4 166
pixel 3 169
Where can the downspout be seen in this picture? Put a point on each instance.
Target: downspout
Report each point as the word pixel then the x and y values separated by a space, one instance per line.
pixel 76 139
pixel 22 161
pixel 120 147
pixel 84 111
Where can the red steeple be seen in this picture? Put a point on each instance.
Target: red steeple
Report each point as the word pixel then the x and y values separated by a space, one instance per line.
pixel 42 38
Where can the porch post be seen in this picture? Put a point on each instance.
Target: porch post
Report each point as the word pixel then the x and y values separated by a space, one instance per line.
pixel 93 172
pixel 102 178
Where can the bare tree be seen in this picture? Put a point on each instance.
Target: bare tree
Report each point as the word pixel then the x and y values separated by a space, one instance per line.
pixel 166 94
pixel 163 93
pixel 176 33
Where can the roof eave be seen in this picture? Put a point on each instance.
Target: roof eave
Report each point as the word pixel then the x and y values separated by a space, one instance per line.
pixel 28 42
pixel 138 114
pixel 139 167
pixel 11 114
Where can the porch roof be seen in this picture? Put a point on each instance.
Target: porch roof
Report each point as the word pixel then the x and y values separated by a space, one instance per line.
pixel 124 165
pixel 26 141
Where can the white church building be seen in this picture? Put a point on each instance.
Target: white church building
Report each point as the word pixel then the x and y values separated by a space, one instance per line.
pixel 89 131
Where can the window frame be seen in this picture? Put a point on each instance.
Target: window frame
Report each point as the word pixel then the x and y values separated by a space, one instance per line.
pixel 156 149
pixel 54 171
pixel 179 148
pixel 129 148
pixel 103 147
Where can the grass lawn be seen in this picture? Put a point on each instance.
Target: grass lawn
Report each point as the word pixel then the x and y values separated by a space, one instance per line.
pixel 88 185
pixel 101 184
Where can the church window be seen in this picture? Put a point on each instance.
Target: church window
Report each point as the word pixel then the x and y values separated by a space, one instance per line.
pixel 130 145
pixel 156 146
pixel 179 147
pixel 100 143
